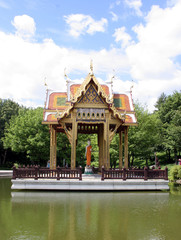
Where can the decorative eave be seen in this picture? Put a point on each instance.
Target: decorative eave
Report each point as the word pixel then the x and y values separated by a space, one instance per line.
pixel 100 91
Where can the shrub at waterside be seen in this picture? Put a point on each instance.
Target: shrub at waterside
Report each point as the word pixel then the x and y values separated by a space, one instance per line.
pixel 175 173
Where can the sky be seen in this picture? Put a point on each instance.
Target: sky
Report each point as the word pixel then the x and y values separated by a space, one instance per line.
pixel 136 41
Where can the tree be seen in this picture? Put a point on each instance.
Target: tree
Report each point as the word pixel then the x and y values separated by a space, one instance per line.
pixel 8 108
pixel 144 138
pixel 25 133
pixel 169 112
pixel 114 152
pixel 63 150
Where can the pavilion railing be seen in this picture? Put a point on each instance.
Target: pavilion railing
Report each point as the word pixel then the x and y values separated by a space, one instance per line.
pixel 134 173
pixel 36 173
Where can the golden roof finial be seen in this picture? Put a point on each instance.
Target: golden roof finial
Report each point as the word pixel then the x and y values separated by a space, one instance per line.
pixel 65 75
pixel 132 86
pixel 45 82
pixel 91 67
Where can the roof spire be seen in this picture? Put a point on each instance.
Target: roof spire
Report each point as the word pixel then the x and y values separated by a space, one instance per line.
pixel 132 86
pixel 91 67
pixel 45 82
pixel 68 85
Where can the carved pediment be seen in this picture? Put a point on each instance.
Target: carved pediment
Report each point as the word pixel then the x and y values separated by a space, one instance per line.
pixel 91 97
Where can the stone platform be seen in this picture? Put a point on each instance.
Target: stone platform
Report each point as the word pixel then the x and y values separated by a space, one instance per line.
pixel 89 183
pixel 6 173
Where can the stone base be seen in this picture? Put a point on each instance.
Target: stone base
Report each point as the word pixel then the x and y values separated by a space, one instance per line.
pixel 6 173
pixel 89 183
pixel 88 170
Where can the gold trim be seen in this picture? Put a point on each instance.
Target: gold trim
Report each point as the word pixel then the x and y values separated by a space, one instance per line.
pixel 100 92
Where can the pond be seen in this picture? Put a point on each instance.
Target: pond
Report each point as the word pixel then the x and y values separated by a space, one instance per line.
pixel 89 215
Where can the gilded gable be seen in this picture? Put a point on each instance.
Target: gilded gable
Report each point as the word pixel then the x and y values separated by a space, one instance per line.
pixel 91 96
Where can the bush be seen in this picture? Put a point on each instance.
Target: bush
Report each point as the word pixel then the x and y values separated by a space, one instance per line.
pixel 175 173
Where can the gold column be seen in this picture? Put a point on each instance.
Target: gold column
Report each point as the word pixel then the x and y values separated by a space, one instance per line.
pixel 53 147
pixel 106 143
pixel 120 150
pixel 73 143
pixel 101 146
pixel 126 147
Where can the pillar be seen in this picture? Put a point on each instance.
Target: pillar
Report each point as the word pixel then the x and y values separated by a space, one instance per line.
pixel 106 143
pixel 101 146
pixel 126 147
pixel 120 150
pixel 53 147
pixel 73 143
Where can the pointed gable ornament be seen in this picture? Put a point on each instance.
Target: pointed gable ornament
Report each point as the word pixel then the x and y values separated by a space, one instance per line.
pixel 91 96
pixel 91 68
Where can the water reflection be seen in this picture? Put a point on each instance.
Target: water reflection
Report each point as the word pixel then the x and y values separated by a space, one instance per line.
pixel 89 215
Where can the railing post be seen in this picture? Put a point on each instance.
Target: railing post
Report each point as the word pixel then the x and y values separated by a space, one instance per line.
pixel 124 174
pixel 145 173
pixel 102 178
pixel 14 172
pixel 80 173
pixel 36 172
pixel 58 173
pixel 166 173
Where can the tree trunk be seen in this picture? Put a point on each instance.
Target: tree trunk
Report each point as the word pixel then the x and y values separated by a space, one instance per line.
pixel 128 160
pixel 4 157
pixel 146 162
pixel 169 155
pixel 175 155
pixel 132 163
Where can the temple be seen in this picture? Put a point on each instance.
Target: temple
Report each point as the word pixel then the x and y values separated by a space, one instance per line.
pixel 90 108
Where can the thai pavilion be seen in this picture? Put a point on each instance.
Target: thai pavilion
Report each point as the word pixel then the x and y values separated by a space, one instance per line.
pixel 89 108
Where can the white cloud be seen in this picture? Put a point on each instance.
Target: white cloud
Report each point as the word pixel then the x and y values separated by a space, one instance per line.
pixel 80 24
pixel 25 26
pixel 121 36
pixel 152 58
pixel 25 64
pixel 136 5
pixel 114 16
pixel 159 42
pixel 150 62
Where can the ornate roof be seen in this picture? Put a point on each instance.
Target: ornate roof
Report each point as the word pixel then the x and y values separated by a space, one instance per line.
pixel 57 105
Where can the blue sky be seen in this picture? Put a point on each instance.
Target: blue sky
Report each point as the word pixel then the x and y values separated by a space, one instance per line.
pixel 138 41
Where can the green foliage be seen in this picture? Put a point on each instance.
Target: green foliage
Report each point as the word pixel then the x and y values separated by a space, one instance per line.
pixel 25 133
pixel 144 138
pixel 169 112
pixel 8 109
pixel 22 132
pixel 114 152
pixel 175 173
pixel 63 149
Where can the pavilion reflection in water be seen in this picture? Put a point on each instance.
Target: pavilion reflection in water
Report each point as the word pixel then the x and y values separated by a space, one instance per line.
pixel 95 215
